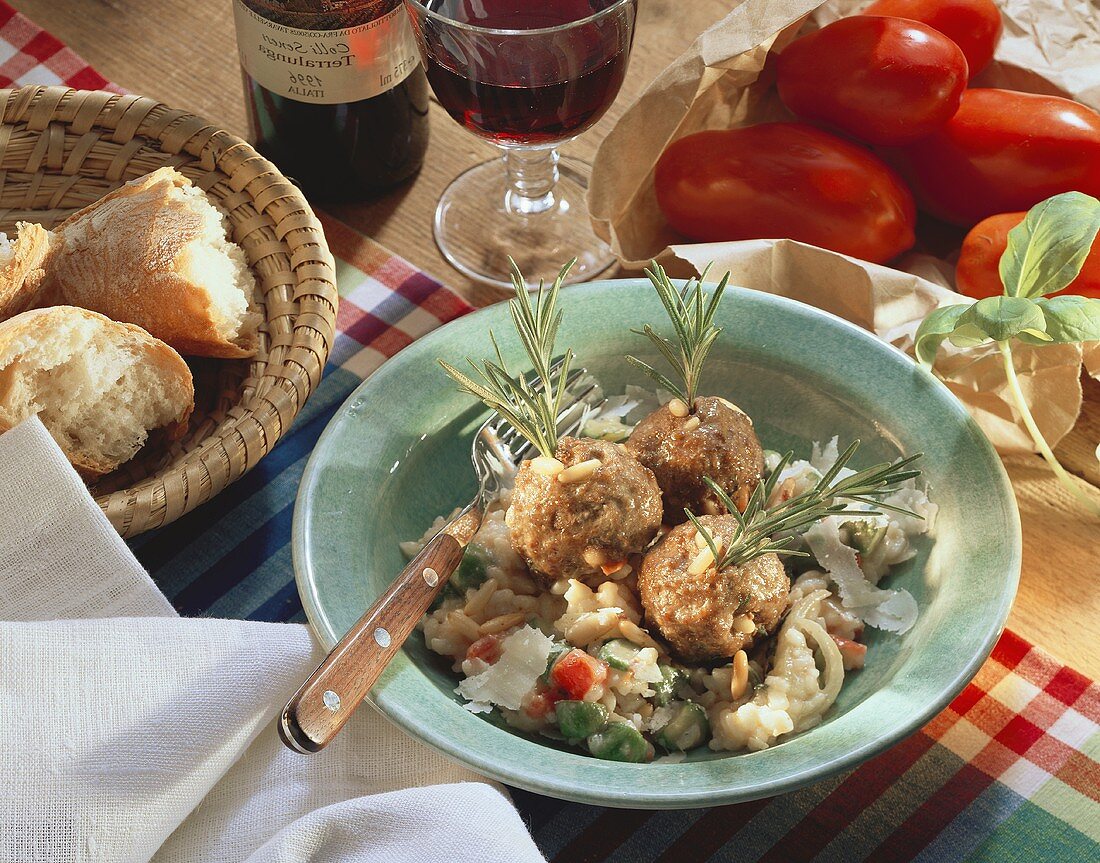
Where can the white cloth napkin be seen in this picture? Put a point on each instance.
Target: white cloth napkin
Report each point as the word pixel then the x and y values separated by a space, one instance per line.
pixel 128 733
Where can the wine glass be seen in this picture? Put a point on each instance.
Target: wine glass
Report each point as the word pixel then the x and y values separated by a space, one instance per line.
pixel 526 76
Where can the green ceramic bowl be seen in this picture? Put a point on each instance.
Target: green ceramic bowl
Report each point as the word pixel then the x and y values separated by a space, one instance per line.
pixel 397 455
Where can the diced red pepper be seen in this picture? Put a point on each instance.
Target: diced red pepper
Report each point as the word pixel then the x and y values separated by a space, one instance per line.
pixel 577 672
pixel 852 652
pixel 487 649
pixel 614 566
pixel 541 702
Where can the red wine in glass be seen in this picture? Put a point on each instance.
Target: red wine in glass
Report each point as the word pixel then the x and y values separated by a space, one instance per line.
pixel 546 93
pixel 525 75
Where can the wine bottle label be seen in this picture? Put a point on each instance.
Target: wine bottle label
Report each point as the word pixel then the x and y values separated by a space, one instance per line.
pixel 327 66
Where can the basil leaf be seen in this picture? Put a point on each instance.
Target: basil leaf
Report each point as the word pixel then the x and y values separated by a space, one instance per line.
pixel 1046 250
pixel 968 336
pixel 1071 319
pixel 933 330
pixel 1001 318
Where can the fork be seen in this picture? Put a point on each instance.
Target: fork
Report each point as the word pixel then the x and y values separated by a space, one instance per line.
pixel 325 702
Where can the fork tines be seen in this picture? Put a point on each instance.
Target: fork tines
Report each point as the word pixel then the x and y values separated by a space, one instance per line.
pixel 582 394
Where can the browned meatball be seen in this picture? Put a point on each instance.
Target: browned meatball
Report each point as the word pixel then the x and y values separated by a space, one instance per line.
pixel 706 617
pixel 680 452
pixel 568 529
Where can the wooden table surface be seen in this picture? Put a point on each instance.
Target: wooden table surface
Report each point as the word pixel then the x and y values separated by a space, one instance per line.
pixel 183 52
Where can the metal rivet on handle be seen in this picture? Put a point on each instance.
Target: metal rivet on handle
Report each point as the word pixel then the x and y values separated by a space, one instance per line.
pixel 430 576
pixel 332 700
pixel 381 637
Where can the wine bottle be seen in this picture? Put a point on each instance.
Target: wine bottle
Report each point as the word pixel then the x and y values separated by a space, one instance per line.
pixel 336 95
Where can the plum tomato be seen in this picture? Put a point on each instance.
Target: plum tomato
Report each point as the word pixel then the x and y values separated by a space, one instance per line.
pixel 778 180
pixel 977 273
pixel 881 80
pixel 973 25
pixel 1002 151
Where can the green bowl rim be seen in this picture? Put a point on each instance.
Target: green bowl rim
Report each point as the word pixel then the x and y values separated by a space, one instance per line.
pixel 404 716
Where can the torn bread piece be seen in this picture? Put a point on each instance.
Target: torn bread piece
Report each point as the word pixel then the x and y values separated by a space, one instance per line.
pixel 156 253
pixel 22 268
pixel 99 387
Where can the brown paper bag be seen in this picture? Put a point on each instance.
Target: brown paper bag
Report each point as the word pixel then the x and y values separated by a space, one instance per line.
pixel 1049 46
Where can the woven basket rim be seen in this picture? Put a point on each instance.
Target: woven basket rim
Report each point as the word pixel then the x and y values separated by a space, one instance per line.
pixel 58 144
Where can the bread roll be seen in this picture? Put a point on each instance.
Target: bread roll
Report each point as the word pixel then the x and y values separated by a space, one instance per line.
pixel 21 268
pixel 98 386
pixel 155 253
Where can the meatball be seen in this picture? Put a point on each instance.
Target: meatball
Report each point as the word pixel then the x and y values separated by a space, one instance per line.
pixel 681 451
pixel 713 614
pixel 569 529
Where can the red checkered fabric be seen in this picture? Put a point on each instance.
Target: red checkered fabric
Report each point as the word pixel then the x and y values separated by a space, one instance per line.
pixel 30 55
pixel 1007 774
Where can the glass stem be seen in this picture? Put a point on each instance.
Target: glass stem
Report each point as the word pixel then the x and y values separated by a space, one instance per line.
pixel 1037 436
pixel 532 175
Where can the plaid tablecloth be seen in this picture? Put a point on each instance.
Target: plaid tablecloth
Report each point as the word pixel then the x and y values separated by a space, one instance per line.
pixel 1009 772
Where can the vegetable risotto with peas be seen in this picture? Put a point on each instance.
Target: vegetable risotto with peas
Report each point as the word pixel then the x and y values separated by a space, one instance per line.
pixel 661 582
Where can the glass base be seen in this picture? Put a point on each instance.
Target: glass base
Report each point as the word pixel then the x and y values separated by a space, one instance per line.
pixel 476 229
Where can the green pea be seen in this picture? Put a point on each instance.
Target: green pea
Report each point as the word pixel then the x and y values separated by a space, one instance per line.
pixel 618 653
pixel 865 536
pixel 620 741
pixel 688 728
pixel 580 719
pixel 665 688
pixel 470 573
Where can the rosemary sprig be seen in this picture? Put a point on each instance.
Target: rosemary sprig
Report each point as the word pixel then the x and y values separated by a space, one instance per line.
pixel 692 317
pixel 758 525
pixel 531 409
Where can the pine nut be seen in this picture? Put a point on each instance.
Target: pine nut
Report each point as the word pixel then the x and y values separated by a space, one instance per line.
pixel 634 633
pixel 579 471
pixel 703 561
pixel 731 405
pixel 741 499
pixel 545 466
pixel 594 556
pixel 692 424
pixel 475 607
pixel 734 407
pixel 591 625
pixel 678 408
pixel 710 507
pixel 502 622
pixel 621 573
pixel 744 625
pixel 701 544
pixel 740 680
pixel 464 626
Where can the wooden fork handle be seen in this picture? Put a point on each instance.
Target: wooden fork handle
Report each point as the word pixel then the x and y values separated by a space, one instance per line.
pixel 326 701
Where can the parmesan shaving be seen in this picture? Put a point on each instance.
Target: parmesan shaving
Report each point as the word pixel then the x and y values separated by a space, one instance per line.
pixel 892 610
pixel 505 683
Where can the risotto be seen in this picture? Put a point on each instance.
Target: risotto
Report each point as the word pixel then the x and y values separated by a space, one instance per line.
pixel 575 660
pixel 660 582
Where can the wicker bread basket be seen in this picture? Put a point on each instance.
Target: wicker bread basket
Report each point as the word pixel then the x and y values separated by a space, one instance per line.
pixel 61 149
